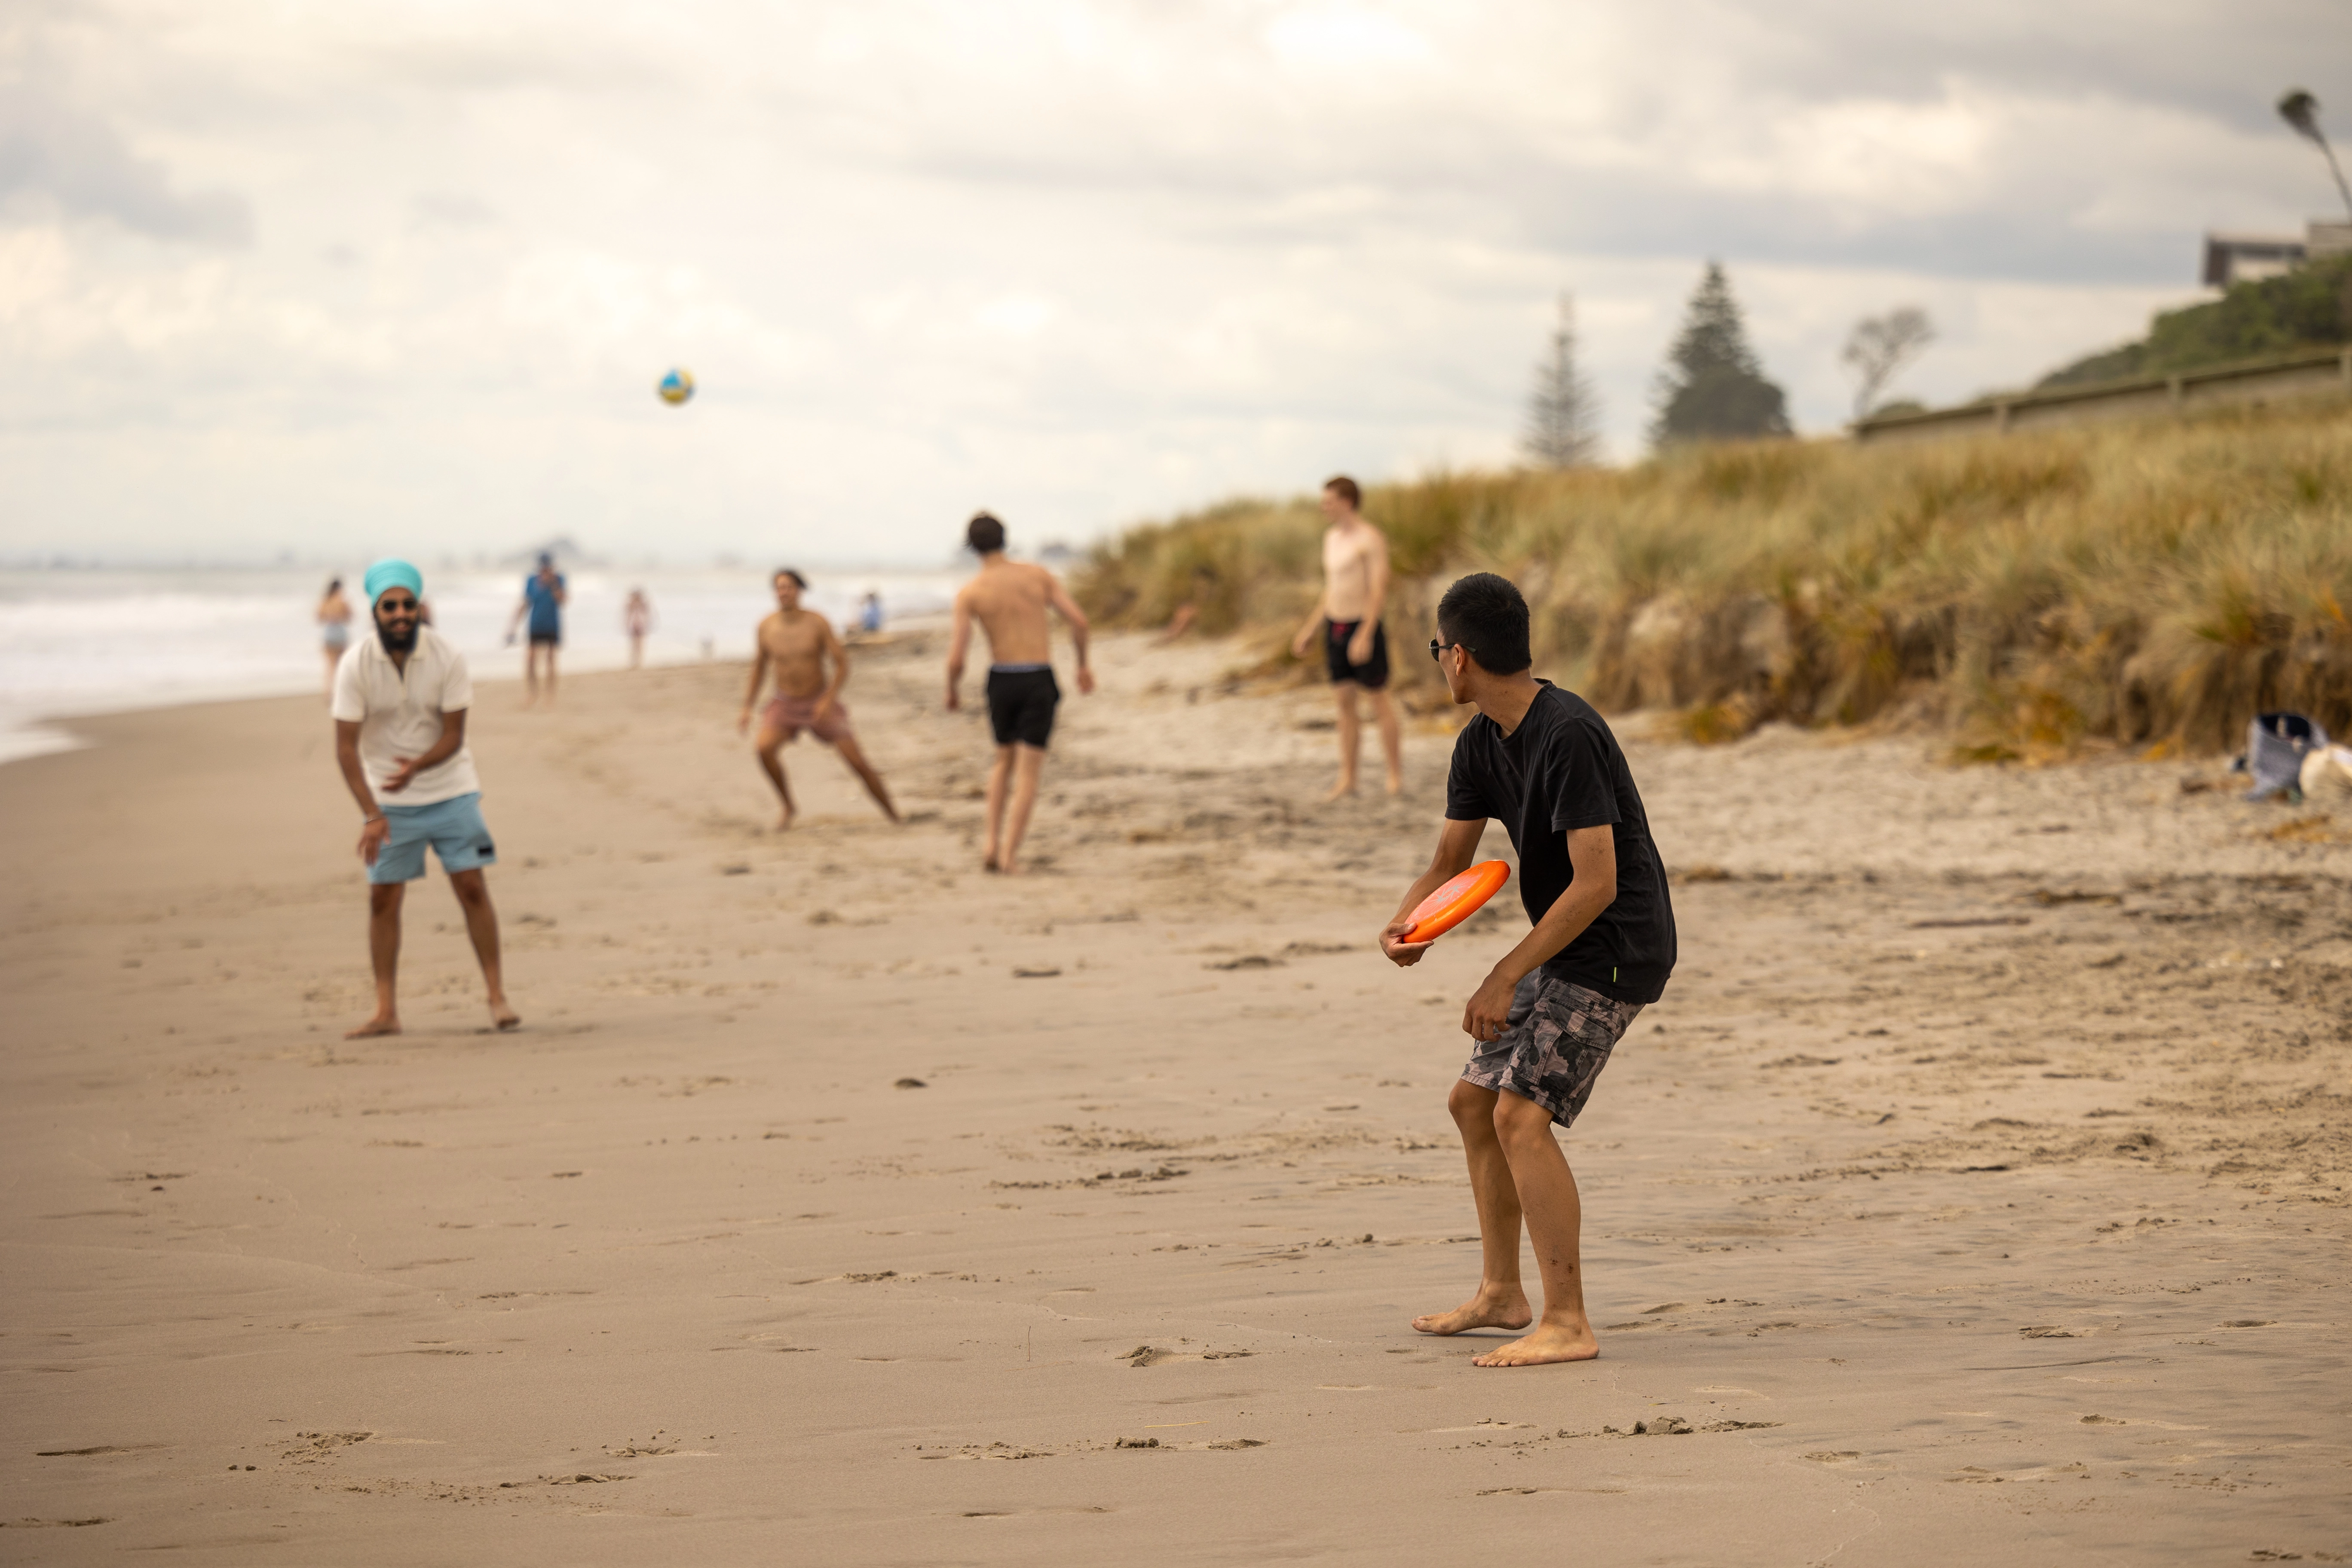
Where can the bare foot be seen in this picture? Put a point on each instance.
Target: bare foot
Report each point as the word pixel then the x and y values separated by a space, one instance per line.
pixel 784 821
pixel 382 1024
pixel 504 1016
pixel 1497 1310
pixel 1344 787
pixel 1549 1342
pixel 1396 785
pixel 990 864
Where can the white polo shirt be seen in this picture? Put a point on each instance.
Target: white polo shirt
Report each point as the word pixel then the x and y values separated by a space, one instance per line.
pixel 399 714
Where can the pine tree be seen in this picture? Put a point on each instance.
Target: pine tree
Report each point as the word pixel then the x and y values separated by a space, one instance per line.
pixel 1714 389
pixel 1563 416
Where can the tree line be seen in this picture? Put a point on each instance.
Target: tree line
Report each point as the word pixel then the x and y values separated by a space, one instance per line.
pixel 1713 387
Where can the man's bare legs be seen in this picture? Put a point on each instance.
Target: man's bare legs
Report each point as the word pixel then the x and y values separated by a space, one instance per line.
pixel 1555 1218
pixel 531 657
pixel 383 952
pixel 384 900
pixel 1351 731
pixel 473 891
pixel 1014 772
pixel 1384 714
pixel 1500 1302
pixel 847 747
pixel 771 747
pixel 1516 1170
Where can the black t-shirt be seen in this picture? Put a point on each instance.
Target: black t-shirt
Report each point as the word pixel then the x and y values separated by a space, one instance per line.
pixel 1562 770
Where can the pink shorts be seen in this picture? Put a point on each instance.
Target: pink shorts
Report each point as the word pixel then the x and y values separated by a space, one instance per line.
pixel 788 716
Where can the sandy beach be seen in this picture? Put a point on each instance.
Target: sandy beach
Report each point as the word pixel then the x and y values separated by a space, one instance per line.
pixel 1977 1193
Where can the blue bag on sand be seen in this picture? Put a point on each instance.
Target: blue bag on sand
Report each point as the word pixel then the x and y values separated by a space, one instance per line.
pixel 2276 745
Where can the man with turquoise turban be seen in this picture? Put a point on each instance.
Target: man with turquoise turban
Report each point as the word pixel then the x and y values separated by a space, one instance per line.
pixel 399 706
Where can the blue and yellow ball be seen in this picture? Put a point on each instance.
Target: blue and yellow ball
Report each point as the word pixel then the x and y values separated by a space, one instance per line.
pixel 675 387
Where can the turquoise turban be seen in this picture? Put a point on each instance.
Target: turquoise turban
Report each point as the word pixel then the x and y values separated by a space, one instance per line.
pixel 390 573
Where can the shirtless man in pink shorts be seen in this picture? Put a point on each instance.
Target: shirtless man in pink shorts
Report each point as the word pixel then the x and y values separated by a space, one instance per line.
pixel 798 646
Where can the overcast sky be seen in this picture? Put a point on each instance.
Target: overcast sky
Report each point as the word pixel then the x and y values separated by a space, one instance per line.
pixel 352 276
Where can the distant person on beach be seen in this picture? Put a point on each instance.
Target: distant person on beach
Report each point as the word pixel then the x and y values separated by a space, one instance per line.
pixel 544 595
pixel 869 613
pixel 334 628
pixel 1010 600
pixel 799 646
pixel 637 619
pixel 400 700
pixel 1348 621
pixel 1547 1015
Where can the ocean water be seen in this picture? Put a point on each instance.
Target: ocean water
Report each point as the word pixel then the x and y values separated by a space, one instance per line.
pixel 96 641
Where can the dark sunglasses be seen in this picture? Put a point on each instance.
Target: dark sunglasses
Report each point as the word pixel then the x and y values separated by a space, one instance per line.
pixel 397 607
pixel 1437 649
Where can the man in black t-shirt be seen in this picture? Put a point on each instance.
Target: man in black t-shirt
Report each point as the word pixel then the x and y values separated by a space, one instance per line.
pixel 1547 1015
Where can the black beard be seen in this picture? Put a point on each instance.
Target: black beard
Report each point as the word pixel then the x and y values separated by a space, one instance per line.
pixel 396 642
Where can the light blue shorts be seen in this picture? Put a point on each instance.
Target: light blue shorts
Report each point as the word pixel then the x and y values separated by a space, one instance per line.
pixel 455 829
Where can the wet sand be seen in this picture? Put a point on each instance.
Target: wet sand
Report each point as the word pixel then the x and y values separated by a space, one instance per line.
pixel 1977 1193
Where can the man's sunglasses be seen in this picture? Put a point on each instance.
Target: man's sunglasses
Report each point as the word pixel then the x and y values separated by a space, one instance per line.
pixel 1437 649
pixel 397 607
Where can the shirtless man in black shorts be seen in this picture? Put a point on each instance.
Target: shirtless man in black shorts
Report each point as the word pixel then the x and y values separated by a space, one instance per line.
pixel 1010 600
pixel 1347 618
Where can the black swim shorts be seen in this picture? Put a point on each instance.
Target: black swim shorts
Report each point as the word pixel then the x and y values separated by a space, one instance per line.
pixel 547 639
pixel 1557 1040
pixel 1021 706
pixel 1374 673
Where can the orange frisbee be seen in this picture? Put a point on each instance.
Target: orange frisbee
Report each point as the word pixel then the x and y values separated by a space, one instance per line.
pixel 1458 901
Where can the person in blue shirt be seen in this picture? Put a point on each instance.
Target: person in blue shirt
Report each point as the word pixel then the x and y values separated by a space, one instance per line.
pixel 543 597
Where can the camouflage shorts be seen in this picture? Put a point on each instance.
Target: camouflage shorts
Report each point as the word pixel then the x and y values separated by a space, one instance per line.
pixel 1558 1041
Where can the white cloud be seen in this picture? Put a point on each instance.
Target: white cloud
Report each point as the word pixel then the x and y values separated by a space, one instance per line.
pixel 1015 315
pixel 1344 40
pixel 60 164
pixel 1084 260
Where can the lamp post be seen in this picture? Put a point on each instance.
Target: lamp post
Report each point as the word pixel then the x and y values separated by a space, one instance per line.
pixel 2300 109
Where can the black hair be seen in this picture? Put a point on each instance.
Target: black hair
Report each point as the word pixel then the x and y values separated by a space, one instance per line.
pixel 1489 616
pixel 788 571
pixel 985 534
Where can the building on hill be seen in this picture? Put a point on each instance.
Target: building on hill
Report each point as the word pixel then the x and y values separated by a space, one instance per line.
pixel 2243 258
pixel 2263 339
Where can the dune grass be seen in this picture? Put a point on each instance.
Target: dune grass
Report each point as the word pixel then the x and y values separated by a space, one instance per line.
pixel 2152 585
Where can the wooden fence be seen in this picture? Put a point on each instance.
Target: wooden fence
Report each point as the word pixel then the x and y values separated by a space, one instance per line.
pixel 2311 373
